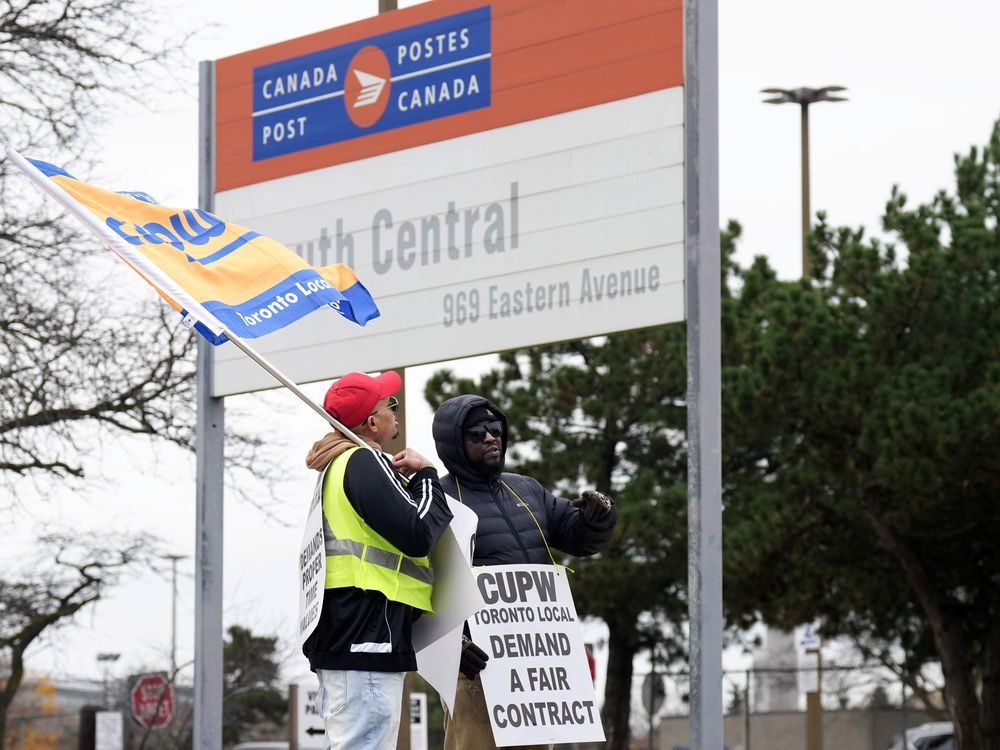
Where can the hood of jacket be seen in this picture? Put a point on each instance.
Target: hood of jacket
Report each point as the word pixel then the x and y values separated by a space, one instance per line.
pixel 331 445
pixel 449 440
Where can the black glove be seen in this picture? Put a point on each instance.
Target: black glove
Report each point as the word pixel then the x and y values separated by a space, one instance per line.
pixel 595 506
pixel 473 659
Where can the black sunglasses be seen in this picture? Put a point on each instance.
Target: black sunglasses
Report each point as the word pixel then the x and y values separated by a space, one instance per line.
pixel 477 434
pixel 392 406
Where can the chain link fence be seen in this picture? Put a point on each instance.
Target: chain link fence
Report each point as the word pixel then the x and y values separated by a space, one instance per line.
pixel 856 707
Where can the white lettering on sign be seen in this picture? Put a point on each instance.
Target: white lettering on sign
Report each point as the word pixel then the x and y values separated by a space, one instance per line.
pixel 437 93
pixel 284 130
pixel 300 80
pixel 455 40
pixel 537 682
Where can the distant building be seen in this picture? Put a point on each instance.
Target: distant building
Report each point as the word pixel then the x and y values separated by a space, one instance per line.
pixel 778 690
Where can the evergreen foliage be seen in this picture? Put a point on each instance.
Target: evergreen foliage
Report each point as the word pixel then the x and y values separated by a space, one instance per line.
pixel 862 438
pixel 861 432
pixel 251 687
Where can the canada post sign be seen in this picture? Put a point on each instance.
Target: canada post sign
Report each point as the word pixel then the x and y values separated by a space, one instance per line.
pixel 418 73
pixel 499 173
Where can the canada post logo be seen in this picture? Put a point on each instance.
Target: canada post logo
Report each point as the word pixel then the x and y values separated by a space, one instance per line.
pixel 434 69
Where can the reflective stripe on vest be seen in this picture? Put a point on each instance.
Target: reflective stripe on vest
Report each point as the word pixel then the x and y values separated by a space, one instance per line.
pixel 377 556
pixel 357 556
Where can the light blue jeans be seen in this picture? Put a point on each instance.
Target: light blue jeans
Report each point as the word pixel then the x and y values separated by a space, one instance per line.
pixel 361 710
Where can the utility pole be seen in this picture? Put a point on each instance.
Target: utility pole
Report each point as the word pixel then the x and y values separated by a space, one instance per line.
pixel 814 707
pixel 105 660
pixel 804 97
pixel 173 614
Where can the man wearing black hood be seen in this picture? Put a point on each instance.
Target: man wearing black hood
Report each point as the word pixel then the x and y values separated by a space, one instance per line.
pixel 519 521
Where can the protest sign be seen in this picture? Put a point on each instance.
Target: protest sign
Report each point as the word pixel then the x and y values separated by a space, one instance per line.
pixel 312 566
pixel 537 682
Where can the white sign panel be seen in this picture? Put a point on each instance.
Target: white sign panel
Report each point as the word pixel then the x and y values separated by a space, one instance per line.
pixel 537 682
pixel 437 637
pixel 418 721
pixel 808 672
pixel 312 566
pixel 548 230
pixel 109 730
pixel 312 732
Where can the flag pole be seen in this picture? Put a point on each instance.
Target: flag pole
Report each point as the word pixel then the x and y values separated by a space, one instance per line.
pixel 244 347
pixel 146 268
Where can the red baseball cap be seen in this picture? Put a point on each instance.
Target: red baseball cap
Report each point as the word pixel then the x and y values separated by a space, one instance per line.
pixel 352 398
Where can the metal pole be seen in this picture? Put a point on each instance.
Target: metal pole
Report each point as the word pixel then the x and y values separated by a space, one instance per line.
pixel 814 708
pixel 652 693
pixel 290 385
pixel 703 312
pixel 746 713
pixel 806 219
pixel 173 621
pixel 173 615
pixel 902 693
pixel 207 727
pixel 293 716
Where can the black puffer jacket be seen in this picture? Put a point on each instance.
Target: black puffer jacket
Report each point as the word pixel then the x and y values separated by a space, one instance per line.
pixel 507 532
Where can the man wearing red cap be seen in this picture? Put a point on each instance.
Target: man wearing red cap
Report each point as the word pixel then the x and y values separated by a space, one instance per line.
pixel 381 518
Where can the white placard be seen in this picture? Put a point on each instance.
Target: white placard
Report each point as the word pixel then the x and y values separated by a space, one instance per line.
pixel 537 682
pixel 808 672
pixel 312 565
pixel 418 721
pixel 437 638
pixel 310 724
pixel 109 730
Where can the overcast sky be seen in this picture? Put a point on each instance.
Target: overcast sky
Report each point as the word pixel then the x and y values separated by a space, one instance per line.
pixel 922 80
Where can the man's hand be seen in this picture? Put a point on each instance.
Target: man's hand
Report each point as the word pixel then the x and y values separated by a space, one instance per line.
pixel 595 506
pixel 473 658
pixel 408 462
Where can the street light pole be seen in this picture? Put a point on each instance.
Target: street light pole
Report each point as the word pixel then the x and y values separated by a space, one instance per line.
pixel 804 97
pixel 806 211
pixel 105 659
pixel 173 614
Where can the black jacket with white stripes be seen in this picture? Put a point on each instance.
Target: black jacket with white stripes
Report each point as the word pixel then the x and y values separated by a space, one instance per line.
pixel 362 630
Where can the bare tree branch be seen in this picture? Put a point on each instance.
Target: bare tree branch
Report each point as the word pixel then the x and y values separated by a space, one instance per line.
pixel 67 573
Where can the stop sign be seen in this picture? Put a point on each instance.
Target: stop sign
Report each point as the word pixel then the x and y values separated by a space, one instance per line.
pixel 152 700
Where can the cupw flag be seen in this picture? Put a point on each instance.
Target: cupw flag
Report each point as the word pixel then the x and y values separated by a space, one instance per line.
pixel 225 279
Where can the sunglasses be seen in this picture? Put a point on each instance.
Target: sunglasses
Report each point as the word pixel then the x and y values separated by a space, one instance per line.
pixel 477 434
pixel 392 406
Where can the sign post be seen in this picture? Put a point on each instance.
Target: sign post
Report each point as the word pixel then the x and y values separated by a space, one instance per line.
pixel 703 311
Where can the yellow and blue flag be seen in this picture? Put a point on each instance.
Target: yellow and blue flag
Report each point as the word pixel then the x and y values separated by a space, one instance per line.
pixel 252 284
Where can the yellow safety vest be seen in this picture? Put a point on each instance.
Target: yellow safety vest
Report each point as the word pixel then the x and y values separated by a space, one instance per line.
pixel 358 557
